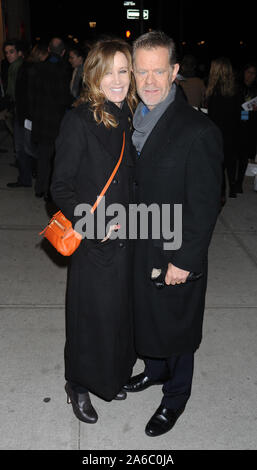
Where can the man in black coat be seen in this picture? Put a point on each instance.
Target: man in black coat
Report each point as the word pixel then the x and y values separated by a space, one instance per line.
pixel 180 163
pixel 49 101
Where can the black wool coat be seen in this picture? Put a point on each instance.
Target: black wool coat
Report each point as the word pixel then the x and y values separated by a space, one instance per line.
pixel 49 99
pixel 225 112
pixel 99 350
pixel 180 163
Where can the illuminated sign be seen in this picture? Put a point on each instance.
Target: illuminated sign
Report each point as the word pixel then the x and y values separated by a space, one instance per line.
pixel 133 14
pixel 129 4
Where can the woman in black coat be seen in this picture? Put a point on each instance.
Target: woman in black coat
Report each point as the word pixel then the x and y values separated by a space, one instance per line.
pixel 224 109
pixel 99 350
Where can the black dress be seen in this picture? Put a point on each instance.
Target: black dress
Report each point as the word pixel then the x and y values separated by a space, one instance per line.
pixel 99 350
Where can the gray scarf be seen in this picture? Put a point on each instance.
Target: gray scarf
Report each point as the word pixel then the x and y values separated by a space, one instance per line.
pixel 144 124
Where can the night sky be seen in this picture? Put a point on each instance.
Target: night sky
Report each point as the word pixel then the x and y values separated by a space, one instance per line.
pixel 222 28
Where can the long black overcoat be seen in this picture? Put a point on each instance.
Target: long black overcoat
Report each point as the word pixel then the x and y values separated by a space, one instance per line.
pixel 49 97
pixel 180 163
pixel 99 350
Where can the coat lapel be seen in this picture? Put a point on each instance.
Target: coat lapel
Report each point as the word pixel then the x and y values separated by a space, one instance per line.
pixel 103 138
pixel 162 134
pixel 110 140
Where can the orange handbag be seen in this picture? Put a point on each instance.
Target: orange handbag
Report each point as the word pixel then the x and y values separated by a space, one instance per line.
pixel 59 231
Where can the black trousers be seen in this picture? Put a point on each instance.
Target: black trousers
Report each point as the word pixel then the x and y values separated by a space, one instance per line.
pixel 177 371
pixel 23 159
pixel 45 154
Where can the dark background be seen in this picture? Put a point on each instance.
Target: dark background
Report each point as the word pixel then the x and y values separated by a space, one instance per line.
pixel 228 28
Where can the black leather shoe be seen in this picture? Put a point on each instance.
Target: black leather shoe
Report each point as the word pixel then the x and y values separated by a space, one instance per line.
pixel 17 184
pixel 121 395
pixel 82 406
pixel 140 382
pixel 162 421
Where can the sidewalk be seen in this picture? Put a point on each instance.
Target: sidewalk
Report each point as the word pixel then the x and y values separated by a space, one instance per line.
pixel 222 411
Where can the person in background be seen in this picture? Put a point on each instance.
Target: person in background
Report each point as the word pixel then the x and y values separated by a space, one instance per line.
pixel 224 109
pixel 14 53
pixel 99 349
pixel 50 98
pixel 76 59
pixel 248 124
pixel 14 56
pixel 192 85
pixel 23 86
pixel 39 53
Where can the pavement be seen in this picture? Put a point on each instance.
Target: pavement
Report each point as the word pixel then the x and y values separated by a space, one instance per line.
pixel 221 413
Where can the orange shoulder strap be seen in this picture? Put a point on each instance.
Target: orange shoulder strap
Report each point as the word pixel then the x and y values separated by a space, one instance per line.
pixel 97 202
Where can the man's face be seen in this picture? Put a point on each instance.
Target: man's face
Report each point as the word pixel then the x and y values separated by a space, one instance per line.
pixel 153 74
pixel 11 54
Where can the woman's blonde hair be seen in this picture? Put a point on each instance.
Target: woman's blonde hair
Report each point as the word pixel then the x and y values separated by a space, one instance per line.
pixel 221 78
pixel 98 62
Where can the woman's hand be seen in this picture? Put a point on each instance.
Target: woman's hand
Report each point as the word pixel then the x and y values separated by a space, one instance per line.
pixel 111 229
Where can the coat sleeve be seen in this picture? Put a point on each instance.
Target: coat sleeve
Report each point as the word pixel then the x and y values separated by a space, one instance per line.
pixel 202 200
pixel 71 144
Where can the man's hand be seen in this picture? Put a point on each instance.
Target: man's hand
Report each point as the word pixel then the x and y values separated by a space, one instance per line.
pixel 175 275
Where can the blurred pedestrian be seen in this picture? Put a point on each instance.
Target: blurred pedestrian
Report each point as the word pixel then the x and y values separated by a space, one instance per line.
pixel 49 100
pixel 14 54
pixel 192 85
pixel 26 149
pixel 76 59
pixel 248 123
pixel 224 109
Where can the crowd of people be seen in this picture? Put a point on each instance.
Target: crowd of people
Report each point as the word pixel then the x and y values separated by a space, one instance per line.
pixel 40 85
pixel 222 94
pixel 134 104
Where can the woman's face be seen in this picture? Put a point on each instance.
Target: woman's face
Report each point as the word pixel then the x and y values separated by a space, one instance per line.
pixel 115 83
pixel 75 60
pixel 249 76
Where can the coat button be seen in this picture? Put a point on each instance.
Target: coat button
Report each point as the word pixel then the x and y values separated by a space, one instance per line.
pixel 122 245
pixel 115 181
pixel 135 183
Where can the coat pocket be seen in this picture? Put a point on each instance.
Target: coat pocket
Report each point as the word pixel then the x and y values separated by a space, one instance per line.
pixel 104 254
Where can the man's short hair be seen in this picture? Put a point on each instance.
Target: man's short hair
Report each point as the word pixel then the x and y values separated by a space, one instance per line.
pixel 56 46
pixel 12 42
pixel 155 39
